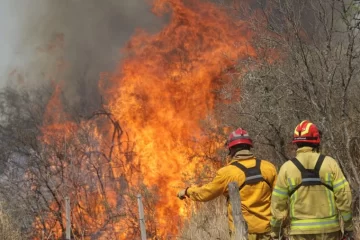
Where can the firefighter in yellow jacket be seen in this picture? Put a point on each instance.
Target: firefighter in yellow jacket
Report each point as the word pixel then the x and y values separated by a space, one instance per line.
pixel 256 179
pixel 311 191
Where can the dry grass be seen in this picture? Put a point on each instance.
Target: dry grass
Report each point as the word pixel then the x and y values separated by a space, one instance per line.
pixel 208 221
pixel 8 230
pixel 356 228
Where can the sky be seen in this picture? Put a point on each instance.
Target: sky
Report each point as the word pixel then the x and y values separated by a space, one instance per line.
pixel 93 31
pixel 10 24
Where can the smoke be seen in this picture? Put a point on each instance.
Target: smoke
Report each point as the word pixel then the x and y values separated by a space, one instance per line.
pixel 71 41
pixel 7 26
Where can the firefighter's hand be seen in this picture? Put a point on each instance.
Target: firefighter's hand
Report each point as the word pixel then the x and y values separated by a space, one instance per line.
pixel 182 194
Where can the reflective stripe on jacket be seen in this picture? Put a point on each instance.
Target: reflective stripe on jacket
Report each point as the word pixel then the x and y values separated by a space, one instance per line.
pixel 255 199
pixel 311 209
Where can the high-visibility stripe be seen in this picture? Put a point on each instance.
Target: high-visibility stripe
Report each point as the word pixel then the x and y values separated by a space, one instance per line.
pixel 338 181
pixel 314 223
pixel 280 192
pixel 330 195
pixel 293 197
pixel 339 184
pixel 316 220
pixel 285 190
pixel 253 177
pixel 346 216
pixel 291 184
pixel 310 179
pixel 280 195
pixel 313 226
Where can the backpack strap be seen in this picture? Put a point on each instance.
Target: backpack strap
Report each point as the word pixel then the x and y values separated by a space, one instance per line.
pixel 252 175
pixel 317 169
pixel 309 177
pixel 242 167
pixel 301 169
pixel 319 163
pixel 298 164
pixel 258 163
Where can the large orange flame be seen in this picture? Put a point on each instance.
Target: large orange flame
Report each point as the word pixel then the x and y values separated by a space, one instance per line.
pixel 164 87
pixel 159 93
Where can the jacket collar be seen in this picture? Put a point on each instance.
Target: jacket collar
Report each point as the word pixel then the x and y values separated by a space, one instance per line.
pixel 242 155
pixel 304 150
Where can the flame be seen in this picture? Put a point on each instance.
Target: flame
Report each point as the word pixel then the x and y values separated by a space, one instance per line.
pixel 159 93
pixel 83 176
pixel 56 123
pixel 165 87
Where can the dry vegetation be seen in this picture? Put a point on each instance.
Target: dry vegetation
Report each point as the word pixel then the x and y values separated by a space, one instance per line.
pixel 308 68
pixel 8 228
pixel 208 221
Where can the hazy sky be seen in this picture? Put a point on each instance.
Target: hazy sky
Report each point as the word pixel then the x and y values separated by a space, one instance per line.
pixel 10 23
pixel 93 33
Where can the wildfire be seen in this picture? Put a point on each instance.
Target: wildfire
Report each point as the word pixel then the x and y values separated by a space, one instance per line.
pixel 165 87
pixel 160 92
pixel 56 124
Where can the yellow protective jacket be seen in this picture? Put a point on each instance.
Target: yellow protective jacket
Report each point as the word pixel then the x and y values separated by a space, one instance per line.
pixel 311 209
pixel 255 199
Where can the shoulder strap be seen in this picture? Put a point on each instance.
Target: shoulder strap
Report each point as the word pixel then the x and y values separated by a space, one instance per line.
pixel 242 167
pixel 317 169
pixel 247 171
pixel 258 163
pixel 317 166
pixel 298 164
pixel 319 163
pixel 301 168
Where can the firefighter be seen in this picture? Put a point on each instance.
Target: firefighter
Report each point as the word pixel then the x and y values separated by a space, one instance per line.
pixel 310 192
pixel 256 179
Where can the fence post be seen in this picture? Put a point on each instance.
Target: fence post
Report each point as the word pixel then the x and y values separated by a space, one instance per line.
pixel 68 221
pixel 141 218
pixel 239 221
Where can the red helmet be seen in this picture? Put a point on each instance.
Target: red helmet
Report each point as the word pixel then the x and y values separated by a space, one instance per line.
pixel 239 136
pixel 306 132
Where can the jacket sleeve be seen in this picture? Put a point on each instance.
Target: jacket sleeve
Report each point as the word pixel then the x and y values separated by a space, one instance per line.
pixel 211 190
pixel 274 177
pixel 279 201
pixel 343 197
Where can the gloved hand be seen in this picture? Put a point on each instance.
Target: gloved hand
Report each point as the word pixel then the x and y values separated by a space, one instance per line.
pixel 348 235
pixel 182 194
